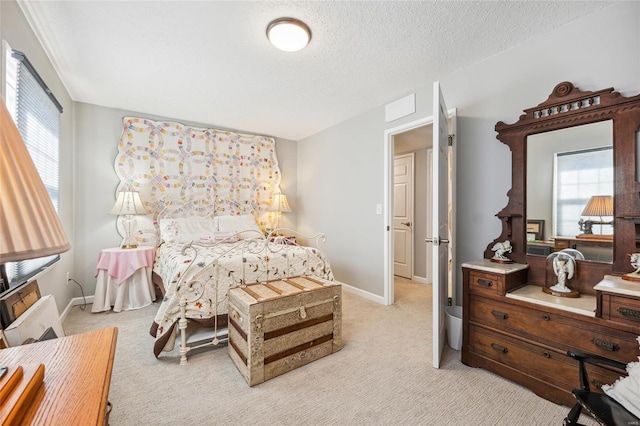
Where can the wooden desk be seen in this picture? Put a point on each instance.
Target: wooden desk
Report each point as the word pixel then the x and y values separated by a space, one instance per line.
pixel 76 378
pixel 568 242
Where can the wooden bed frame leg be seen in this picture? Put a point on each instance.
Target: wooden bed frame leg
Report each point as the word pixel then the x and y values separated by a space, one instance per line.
pixel 182 326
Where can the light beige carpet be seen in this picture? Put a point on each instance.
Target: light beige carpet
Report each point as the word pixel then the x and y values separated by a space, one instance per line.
pixel 382 376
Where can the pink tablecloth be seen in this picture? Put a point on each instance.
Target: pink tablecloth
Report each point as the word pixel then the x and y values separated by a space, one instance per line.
pixel 122 263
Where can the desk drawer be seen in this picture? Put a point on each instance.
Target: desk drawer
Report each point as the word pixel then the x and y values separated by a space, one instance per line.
pixel 485 282
pixel 621 309
pixel 540 362
pixel 558 331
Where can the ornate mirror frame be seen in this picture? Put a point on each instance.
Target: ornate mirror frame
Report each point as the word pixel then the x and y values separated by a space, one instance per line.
pixel 568 106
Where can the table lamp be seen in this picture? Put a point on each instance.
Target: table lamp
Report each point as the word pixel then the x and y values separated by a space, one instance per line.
pixel 598 205
pixel 279 205
pixel 128 204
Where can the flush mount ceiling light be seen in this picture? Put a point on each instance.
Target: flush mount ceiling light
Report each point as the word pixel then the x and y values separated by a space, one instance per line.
pixel 288 34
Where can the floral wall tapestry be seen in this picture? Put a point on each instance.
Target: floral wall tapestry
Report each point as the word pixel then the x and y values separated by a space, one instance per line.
pixel 184 171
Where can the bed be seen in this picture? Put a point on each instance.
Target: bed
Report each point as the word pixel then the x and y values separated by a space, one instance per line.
pixel 200 259
pixel 208 193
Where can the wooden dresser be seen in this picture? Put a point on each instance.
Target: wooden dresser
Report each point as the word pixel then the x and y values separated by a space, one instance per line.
pixel 521 333
pixel 76 378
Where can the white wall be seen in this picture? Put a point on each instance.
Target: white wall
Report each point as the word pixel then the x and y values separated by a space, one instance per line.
pixel 98 130
pixel 16 31
pixel 340 170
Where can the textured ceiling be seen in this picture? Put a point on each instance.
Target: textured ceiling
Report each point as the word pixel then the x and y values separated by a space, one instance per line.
pixel 210 61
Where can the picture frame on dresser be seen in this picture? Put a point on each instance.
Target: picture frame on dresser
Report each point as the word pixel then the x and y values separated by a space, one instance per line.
pixel 510 326
pixel 535 229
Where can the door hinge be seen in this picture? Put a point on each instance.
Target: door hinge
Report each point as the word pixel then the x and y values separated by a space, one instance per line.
pixel 388 227
pixel 450 140
pixel 449 301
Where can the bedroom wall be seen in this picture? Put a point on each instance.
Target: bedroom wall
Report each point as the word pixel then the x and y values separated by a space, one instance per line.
pixel 98 131
pixel 340 170
pixel 15 29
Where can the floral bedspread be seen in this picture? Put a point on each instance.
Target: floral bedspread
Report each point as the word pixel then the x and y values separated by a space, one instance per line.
pixel 222 266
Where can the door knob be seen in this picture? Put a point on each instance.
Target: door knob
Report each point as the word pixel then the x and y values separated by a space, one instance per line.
pixel 405 223
pixel 436 241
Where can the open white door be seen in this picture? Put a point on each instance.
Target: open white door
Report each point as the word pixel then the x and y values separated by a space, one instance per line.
pixel 440 221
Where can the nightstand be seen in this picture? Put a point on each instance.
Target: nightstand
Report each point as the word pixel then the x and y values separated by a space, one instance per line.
pixel 124 279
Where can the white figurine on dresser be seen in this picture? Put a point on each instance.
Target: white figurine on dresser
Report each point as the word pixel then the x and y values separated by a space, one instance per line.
pixel 501 248
pixel 564 266
pixel 635 264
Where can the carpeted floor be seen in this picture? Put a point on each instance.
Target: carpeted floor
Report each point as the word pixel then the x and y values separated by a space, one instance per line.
pixel 382 376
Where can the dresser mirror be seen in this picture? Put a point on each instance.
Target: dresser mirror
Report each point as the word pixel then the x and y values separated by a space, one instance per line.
pixel 565 169
pixel 571 108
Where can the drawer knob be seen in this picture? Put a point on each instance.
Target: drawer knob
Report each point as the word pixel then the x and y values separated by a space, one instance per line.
pixel 607 346
pixel 500 315
pixel 546 317
pixel 485 283
pixel 630 313
pixel 546 354
pixel 499 348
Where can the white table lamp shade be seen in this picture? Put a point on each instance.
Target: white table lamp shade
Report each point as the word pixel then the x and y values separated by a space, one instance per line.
pixel 279 204
pixel 128 202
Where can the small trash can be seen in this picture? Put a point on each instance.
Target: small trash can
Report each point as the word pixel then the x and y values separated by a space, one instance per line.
pixel 454 326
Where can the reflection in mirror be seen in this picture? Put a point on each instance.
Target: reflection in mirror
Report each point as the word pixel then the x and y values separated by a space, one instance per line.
pixel 565 169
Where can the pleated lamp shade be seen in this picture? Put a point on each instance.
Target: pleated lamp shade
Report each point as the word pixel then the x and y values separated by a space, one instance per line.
pixel 279 204
pixel 128 202
pixel 599 205
pixel 29 224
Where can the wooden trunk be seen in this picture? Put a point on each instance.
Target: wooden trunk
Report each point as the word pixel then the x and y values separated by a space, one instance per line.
pixel 277 326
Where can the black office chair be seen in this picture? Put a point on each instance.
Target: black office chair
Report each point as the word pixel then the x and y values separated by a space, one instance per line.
pixel 604 409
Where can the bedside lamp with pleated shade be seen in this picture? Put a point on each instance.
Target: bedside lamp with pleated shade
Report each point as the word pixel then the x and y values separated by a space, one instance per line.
pixel 128 204
pixel 279 205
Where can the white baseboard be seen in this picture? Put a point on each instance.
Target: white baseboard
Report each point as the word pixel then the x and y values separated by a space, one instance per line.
pixel 421 280
pixel 76 301
pixel 365 294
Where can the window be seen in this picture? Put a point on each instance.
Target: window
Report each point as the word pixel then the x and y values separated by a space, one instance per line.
pixel 37 115
pixel 580 175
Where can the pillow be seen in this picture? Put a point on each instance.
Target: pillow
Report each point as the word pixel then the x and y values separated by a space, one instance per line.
pixel 626 390
pixel 224 237
pixel 183 230
pixel 245 224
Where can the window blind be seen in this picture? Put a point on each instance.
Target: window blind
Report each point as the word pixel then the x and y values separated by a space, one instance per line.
pixel 579 175
pixel 38 121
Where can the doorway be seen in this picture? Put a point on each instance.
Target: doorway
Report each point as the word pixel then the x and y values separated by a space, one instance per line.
pixel 409 138
pixel 412 203
pixel 442 238
pixel 406 138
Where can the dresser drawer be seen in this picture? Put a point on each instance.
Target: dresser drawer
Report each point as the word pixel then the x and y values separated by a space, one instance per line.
pixel 485 282
pixel 621 309
pixel 558 331
pixel 540 362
